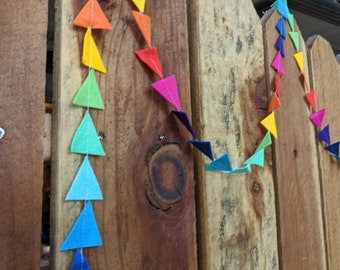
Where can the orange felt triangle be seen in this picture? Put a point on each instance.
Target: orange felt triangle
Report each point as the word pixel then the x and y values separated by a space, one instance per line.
pixel 274 103
pixel 277 84
pixel 150 57
pixel 311 99
pixel 144 24
pixel 92 15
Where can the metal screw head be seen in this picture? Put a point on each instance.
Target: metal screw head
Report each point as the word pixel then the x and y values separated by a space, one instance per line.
pixel 2 133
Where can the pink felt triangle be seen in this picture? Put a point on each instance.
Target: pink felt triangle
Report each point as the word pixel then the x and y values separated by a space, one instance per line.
pixel 167 88
pixel 317 117
pixel 277 64
pixel 150 57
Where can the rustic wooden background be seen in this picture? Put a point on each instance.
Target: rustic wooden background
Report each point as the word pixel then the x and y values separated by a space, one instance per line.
pixel 282 216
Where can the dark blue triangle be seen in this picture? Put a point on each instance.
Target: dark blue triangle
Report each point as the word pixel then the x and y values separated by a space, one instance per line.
pixel 279 46
pixel 79 262
pixel 324 135
pixel 183 117
pixel 204 147
pixel 333 148
pixel 280 26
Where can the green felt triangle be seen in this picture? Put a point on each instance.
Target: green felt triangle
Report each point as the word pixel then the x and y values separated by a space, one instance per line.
pixel 89 94
pixel 294 36
pixel 85 140
pixel 266 141
pixel 291 21
pixel 256 159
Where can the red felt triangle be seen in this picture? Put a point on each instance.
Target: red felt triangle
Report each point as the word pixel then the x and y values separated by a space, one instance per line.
pixel 277 84
pixel 274 103
pixel 311 99
pixel 150 57
pixel 92 15
pixel 144 24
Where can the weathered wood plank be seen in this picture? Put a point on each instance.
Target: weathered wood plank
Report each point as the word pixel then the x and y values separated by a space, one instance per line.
pixel 22 76
pixel 325 79
pixel 296 172
pixel 136 234
pixel 237 227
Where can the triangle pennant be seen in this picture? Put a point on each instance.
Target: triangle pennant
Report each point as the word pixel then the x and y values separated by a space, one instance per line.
pixel 149 56
pixel 79 262
pixel 256 159
pixel 299 60
pixel 324 135
pixel 140 4
pixel 282 8
pixel 277 84
pixel 167 88
pixel 204 147
pixel 91 57
pixel 85 232
pixel 279 46
pixel 311 99
pixel 291 22
pixel 266 141
pixel 303 80
pixel 144 24
pixel 294 36
pixel 220 164
pixel 317 117
pixel 274 103
pixel 274 4
pixel 92 15
pixel 89 93
pixel 333 149
pixel 280 26
pixel 277 64
pixel 269 124
pixel 245 169
pixel 85 140
pixel 183 117
pixel 85 185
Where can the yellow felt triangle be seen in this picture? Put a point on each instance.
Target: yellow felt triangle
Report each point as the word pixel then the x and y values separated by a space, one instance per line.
pixel 299 60
pixel 91 56
pixel 140 4
pixel 269 124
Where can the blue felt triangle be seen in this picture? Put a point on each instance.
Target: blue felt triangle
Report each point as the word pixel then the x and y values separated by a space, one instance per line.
pixel 279 46
pixel 280 26
pixel 85 185
pixel 333 148
pixel 183 117
pixel 220 164
pixel 282 8
pixel 324 135
pixel 245 169
pixel 85 232
pixel 256 159
pixel 204 147
pixel 79 262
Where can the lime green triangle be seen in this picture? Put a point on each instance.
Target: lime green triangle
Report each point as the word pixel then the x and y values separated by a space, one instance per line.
pixel 294 36
pixel 266 141
pixel 140 4
pixel 89 93
pixel 256 159
pixel 291 21
pixel 299 60
pixel 270 124
pixel 85 140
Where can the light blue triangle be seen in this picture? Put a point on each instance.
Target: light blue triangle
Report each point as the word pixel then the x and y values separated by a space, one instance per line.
pixel 245 169
pixel 85 185
pixel 79 262
pixel 85 140
pixel 85 232
pixel 220 164
pixel 256 159
pixel 282 8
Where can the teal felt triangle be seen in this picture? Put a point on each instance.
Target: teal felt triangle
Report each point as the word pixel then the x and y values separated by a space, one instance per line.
pixel 266 141
pixel 294 36
pixel 291 21
pixel 220 164
pixel 85 185
pixel 256 159
pixel 79 262
pixel 89 94
pixel 85 140
pixel 245 169
pixel 85 232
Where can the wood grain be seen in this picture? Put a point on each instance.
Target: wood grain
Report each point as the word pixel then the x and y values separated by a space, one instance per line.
pixel 22 75
pixel 237 224
pixel 300 224
pixel 142 223
pixel 325 80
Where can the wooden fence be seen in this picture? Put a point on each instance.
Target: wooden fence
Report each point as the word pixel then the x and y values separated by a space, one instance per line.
pixel 282 216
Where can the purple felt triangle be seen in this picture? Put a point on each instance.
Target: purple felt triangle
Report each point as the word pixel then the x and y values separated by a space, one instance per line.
pixel 204 147
pixel 167 88
pixel 280 26
pixel 279 46
pixel 183 117
pixel 277 64
pixel 333 148
pixel 324 135
pixel 317 117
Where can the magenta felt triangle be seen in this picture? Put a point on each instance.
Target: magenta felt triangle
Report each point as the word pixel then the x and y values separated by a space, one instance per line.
pixel 204 147
pixel 279 46
pixel 150 57
pixel 280 26
pixel 220 164
pixel 277 64
pixel 256 159
pixel 324 135
pixel 183 117
pixel 85 232
pixel 85 185
pixel 317 117
pixel 333 149
pixel 167 88
pixel 311 99
pixel 79 262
